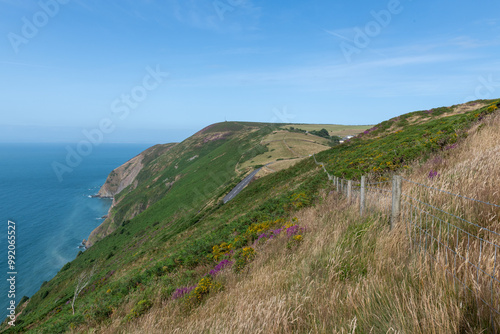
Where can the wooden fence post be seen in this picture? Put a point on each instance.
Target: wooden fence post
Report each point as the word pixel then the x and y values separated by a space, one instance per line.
pixel 337 183
pixel 362 198
pixel 342 186
pixel 396 199
pixel 349 190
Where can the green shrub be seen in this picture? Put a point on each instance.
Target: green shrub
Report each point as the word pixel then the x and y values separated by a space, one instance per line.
pixel 44 294
pixel 139 309
pixel 321 133
pixel 23 299
pixel 66 267
pixel 242 257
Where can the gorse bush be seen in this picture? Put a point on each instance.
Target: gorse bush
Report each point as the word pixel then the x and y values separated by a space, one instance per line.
pixel 220 250
pixel 243 257
pixel 139 309
pixel 299 200
pixel 257 228
pixel 204 287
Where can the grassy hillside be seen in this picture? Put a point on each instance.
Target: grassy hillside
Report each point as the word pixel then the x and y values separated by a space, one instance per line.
pixel 290 259
pixel 208 158
pixel 396 143
pixel 216 157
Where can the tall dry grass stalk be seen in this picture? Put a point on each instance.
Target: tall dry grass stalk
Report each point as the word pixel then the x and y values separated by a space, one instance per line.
pixel 351 274
pixel 466 239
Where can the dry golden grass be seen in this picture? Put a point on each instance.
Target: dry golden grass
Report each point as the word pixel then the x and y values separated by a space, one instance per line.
pixel 277 166
pixel 458 109
pixel 277 150
pixel 305 148
pixel 470 169
pixel 351 274
pixel 469 106
pixel 286 145
pixel 281 134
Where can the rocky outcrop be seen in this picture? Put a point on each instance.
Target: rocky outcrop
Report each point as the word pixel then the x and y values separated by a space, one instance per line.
pixel 121 177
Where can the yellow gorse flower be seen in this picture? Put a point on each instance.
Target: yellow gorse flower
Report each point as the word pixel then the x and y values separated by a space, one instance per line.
pixel 219 250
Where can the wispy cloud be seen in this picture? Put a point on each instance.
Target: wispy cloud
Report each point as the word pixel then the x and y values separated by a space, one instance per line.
pixel 468 42
pixel 304 74
pixel 25 5
pixel 247 51
pixel 436 43
pixel 341 33
pixel 403 73
pixel 243 15
pixel 492 22
pixel 23 64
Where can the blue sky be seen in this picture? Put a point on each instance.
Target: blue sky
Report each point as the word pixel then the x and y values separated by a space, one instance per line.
pixel 67 65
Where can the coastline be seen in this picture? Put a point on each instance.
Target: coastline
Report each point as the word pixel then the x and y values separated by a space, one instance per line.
pixel 119 179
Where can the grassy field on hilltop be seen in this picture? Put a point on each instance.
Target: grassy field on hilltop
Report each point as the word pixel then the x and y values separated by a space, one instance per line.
pixel 283 145
pixel 333 129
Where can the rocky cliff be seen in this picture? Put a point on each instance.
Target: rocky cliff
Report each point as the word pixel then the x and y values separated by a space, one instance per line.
pixel 122 177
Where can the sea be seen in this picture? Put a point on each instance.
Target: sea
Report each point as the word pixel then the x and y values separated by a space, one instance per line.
pixel 51 214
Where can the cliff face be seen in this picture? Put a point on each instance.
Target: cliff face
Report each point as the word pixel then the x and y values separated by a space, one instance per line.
pixel 125 178
pixel 122 177
pixel 119 179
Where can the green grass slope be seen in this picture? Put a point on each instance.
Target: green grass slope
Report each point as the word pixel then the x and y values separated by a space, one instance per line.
pixel 208 158
pixel 170 245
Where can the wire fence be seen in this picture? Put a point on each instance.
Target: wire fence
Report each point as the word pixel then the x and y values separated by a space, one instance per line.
pixel 440 225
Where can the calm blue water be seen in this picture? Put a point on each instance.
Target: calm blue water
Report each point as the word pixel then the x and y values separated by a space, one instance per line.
pixel 51 217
